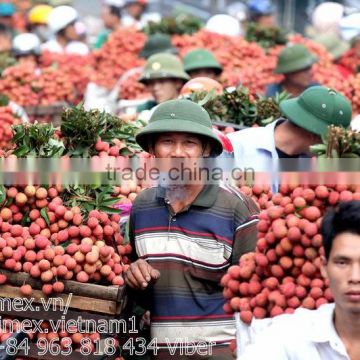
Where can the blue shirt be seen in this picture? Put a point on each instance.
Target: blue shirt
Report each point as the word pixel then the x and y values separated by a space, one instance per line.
pixel 254 148
pixel 272 89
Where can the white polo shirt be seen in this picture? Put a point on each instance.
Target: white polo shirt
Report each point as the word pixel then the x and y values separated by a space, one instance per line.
pixel 304 335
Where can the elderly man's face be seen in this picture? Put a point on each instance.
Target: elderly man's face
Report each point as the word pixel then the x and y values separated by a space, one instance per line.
pixel 343 271
pixel 178 151
pixel 180 145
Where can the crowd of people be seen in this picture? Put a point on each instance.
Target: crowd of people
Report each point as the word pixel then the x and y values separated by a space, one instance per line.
pixel 56 26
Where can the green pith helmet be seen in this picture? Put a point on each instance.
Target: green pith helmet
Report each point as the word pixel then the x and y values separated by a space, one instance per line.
pixel 183 116
pixel 158 43
pixel 335 46
pixel 163 66
pixel 317 108
pixel 201 59
pixel 294 58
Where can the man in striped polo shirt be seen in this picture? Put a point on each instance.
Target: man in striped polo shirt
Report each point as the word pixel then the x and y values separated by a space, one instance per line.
pixel 184 238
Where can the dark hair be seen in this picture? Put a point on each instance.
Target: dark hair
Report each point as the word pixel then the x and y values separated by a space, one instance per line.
pixel 343 218
pixel 115 10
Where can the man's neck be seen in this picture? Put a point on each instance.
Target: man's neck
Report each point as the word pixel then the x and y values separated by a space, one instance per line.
pixel 347 325
pixel 292 89
pixel 182 196
pixel 287 139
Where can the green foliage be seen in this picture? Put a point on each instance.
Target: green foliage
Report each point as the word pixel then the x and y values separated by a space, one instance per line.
pixel 239 108
pixel 266 37
pixel 178 25
pixel 2 195
pixel 269 109
pixel 81 129
pixel 4 100
pixel 38 140
pixel 338 143
pixel 91 197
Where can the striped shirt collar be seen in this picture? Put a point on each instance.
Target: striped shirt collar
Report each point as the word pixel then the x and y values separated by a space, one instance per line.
pixel 206 197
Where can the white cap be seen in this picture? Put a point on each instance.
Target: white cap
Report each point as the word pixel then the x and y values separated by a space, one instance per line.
pixel 326 16
pixel 237 10
pixel 25 44
pixel 60 17
pixel 224 25
pixel 350 26
pixel 117 3
pixel 77 47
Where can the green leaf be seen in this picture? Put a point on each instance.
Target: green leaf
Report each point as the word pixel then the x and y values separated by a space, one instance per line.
pixel 210 95
pixel 125 151
pixel 45 216
pixel 109 210
pixel 26 219
pixel 110 201
pixel 2 194
pixel 65 244
pixel 350 155
pixel 21 151
pixel 9 201
pixel 99 197
pixel 88 207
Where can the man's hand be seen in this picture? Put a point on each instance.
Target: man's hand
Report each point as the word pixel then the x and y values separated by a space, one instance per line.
pixel 140 274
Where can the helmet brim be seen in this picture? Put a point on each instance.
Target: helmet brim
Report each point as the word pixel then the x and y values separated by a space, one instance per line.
pixel 180 125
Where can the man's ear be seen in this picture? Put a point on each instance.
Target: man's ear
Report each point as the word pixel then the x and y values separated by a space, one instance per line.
pixel 151 145
pixel 323 268
pixel 207 150
pixel 179 84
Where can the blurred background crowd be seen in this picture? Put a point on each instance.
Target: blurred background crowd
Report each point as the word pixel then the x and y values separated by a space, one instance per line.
pixel 106 52
pixel 93 19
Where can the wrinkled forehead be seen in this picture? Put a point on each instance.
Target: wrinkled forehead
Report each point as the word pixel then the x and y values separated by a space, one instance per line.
pixel 178 136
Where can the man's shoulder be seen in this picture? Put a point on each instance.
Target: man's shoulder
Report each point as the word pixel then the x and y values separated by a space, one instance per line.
pixel 146 196
pixel 147 105
pixel 231 197
pixel 101 39
pixel 245 132
pixel 251 135
pixel 272 89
